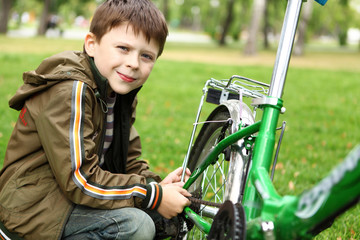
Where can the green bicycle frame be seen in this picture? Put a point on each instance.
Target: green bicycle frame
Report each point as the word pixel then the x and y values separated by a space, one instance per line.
pixel 267 213
pixel 287 217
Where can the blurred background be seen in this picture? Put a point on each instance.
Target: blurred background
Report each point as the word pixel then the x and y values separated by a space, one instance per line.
pixel 255 24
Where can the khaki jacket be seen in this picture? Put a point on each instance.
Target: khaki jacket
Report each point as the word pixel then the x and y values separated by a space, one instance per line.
pixel 52 158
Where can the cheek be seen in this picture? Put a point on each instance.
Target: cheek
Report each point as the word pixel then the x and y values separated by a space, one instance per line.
pixel 104 65
pixel 100 66
pixel 148 70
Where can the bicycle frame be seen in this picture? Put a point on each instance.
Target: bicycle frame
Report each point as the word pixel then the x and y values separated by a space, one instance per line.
pixel 267 213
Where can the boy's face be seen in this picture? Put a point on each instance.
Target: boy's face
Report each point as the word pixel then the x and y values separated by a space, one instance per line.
pixel 124 58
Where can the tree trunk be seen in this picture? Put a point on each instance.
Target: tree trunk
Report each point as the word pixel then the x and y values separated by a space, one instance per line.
pixel 266 25
pixel 257 14
pixel 4 14
pixel 44 18
pixel 301 32
pixel 227 22
pixel 343 25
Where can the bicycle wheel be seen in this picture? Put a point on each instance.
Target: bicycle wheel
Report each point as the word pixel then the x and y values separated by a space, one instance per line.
pixel 225 179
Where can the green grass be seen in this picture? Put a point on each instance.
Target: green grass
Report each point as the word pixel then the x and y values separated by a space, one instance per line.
pixel 323 109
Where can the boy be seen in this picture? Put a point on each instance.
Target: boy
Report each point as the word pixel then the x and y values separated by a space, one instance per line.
pixel 70 169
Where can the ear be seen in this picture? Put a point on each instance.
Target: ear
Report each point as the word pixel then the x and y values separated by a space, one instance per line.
pixel 89 44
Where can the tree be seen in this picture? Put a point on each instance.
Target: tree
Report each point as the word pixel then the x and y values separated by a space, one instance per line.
pixel 257 15
pixel 273 19
pixel 4 14
pixel 266 28
pixel 45 16
pixel 302 28
pixel 334 19
pixel 343 22
pixel 52 7
pixel 227 22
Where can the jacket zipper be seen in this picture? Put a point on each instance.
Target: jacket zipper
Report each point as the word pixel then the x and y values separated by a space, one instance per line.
pixel 102 104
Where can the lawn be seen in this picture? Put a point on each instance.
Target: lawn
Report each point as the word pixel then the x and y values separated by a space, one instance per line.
pixel 321 98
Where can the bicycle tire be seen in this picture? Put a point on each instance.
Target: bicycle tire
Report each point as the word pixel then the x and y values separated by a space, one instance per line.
pixel 214 184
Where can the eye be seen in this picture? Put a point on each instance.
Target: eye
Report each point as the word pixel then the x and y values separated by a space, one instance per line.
pixel 123 48
pixel 148 56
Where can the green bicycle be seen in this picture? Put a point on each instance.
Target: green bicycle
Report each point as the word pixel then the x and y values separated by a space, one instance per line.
pixel 230 160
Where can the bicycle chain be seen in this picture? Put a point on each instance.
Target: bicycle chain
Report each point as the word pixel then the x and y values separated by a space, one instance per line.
pixel 197 201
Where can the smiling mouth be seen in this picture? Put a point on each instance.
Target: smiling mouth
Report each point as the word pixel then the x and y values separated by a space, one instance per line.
pixel 126 78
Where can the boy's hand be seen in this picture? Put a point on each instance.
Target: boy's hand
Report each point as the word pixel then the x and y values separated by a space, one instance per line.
pixel 173 200
pixel 175 176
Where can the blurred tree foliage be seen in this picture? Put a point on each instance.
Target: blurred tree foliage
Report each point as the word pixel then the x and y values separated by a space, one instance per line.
pixel 223 20
pixel 334 19
pixel 65 10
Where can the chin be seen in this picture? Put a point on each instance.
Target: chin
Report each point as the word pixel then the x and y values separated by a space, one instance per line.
pixel 122 91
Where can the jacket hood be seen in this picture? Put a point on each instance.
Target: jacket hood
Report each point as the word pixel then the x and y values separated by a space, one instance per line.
pixel 68 65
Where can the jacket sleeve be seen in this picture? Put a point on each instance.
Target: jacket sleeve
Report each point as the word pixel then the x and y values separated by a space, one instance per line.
pixel 68 133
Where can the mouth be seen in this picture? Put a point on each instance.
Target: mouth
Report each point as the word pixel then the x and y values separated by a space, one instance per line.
pixel 126 78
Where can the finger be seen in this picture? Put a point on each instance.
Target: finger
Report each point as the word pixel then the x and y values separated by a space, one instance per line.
pixel 185 193
pixel 187 202
pixel 179 184
pixel 178 171
pixel 187 177
pixel 180 209
pixel 179 189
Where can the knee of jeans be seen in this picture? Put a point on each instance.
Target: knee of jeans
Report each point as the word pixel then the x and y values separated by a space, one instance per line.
pixel 145 226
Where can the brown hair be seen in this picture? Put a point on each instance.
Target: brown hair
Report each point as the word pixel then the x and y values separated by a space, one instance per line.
pixel 142 15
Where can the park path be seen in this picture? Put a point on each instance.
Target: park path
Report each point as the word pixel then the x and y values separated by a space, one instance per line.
pixel 333 60
pixel 347 61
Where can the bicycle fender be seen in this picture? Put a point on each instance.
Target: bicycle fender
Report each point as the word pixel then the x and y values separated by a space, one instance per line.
pixel 241 115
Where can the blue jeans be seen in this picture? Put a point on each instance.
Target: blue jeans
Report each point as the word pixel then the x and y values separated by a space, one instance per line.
pixel 124 223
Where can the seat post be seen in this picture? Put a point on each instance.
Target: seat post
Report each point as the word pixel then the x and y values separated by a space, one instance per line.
pixel 285 47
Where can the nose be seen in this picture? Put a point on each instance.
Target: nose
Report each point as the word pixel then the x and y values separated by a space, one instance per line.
pixel 132 61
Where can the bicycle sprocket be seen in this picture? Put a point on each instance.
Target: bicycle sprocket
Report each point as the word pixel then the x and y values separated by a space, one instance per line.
pixel 229 223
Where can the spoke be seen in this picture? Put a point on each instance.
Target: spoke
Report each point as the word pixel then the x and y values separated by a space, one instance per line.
pixel 221 169
pixel 214 188
pixel 203 181
pixel 224 180
pixel 221 187
pixel 213 180
pixel 206 188
pixel 213 175
pixel 216 194
pixel 215 184
pixel 211 186
pixel 209 183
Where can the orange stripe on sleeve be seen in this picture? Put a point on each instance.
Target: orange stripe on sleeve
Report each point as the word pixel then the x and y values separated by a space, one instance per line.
pixel 156 197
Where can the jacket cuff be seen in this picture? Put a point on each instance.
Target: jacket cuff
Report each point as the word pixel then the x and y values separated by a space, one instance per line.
pixel 150 180
pixel 153 196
